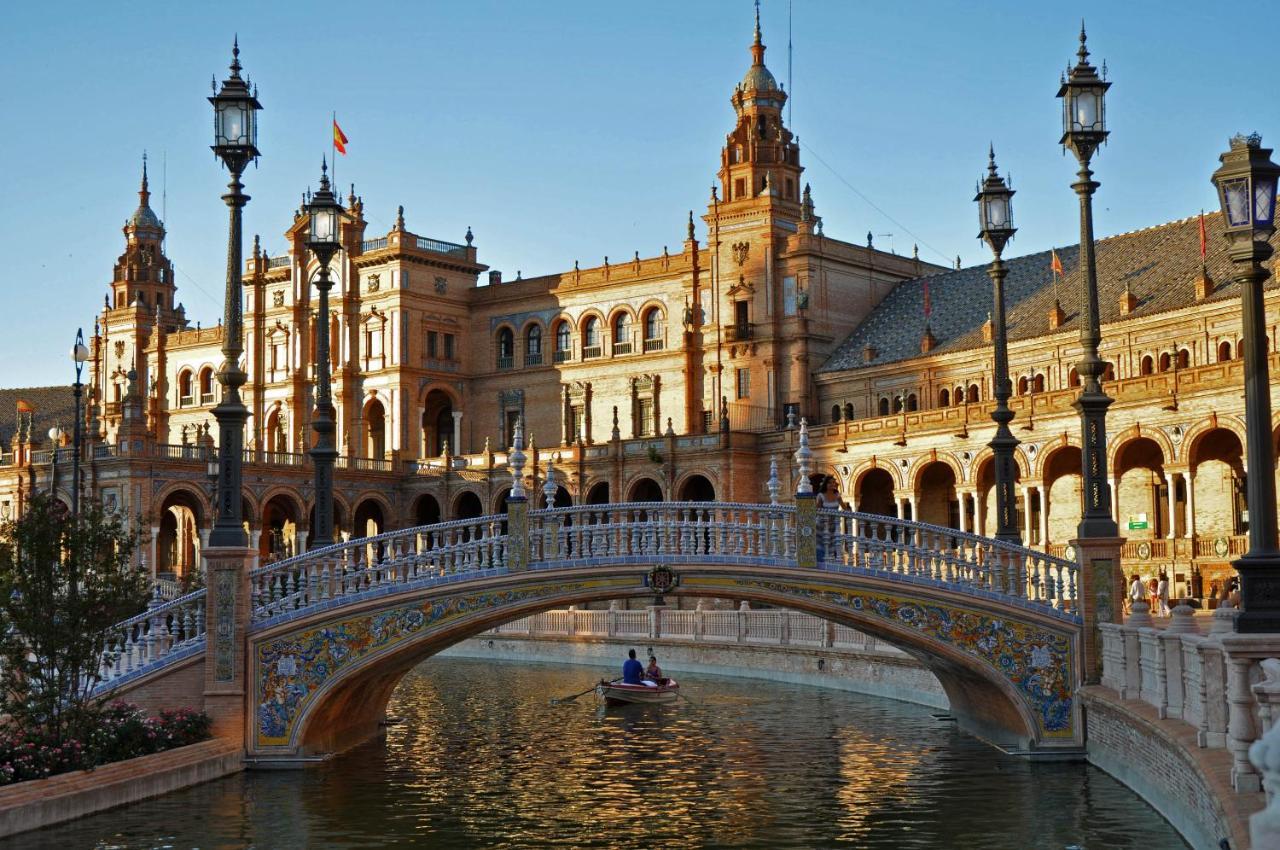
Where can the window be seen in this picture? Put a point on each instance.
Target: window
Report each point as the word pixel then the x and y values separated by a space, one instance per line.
pixel 971 396
pixel 644 412
pixel 883 407
pixel 1147 366
pixel 591 338
pixel 912 403
pixel 509 427
pixel 788 296
pixel 653 329
pixel 564 342
pixel 1224 352
pixel 206 385
pixel 448 347
pixel 622 334
pixel 578 423
pixel 506 349
pixel 739 187
pixel 433 344
pixel 1038 384
pixel 184 388
pixel 835 413
pixel 741 313
pixel 944 397
pixel 848 411
pixel 744 383
pixel 533 346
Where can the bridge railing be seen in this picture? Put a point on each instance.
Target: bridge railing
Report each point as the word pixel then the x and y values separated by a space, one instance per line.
pixel 886 544
pixel 668 530
pixel 366 563
pixel 162 630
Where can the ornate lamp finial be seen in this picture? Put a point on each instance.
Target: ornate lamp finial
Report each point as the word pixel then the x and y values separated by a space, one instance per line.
pixel 549 486
pixel 689 234
pixel 516 461
pixel 804 459
pixel 774 484
pixel 400 217
pixel 469 237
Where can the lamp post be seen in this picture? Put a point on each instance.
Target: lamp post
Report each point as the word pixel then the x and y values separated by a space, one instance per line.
pixel 1246 184
pixel 79 355
pixel 324 213
pixel 55 439
pixel 995 218
pixel 1084 128
pixel 235 136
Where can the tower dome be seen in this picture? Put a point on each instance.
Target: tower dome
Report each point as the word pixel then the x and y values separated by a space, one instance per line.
pixel 144 216
pixel 758 77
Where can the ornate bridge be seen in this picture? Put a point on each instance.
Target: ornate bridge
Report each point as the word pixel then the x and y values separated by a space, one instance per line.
pixel 299 657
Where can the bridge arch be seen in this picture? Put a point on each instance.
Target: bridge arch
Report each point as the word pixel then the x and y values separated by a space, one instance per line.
pixel 322 683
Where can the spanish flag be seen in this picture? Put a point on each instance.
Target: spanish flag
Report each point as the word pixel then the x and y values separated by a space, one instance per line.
pixel 1055 265
pixel 339 139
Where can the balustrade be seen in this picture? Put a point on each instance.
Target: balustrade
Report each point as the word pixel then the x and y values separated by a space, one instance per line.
pixel 160 631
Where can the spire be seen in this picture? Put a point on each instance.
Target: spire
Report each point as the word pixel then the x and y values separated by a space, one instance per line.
pixel 757 46
pixel 235 57
pixel 400 217
pixel 991 159
pixel 144 193
pixel 689 235
pixel 144 216
pixel 1083 52
pixel 324 173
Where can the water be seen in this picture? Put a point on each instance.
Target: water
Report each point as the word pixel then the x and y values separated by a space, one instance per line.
pixel 481 759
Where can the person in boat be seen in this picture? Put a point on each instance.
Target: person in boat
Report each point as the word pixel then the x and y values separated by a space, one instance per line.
pixel 653 672
pixel 632 670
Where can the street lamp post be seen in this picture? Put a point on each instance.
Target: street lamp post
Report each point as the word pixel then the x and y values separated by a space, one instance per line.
pixel 1083 130
pixel 55 440
pixel 1246 184
pixel 324 213
pixel 79 354
pixel 995 217
pixel 235 131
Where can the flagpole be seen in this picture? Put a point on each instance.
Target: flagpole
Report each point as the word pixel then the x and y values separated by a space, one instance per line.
pixel 333 145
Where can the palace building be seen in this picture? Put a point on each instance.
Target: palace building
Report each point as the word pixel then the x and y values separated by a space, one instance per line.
pixel 678 376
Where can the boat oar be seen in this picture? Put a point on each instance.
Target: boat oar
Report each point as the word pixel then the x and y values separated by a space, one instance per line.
pixel 686 699
pixel 572 697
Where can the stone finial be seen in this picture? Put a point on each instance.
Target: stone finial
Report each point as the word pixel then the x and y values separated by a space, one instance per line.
pixel 470 237
pixel 804 460
pixel 444 449
pixel 1183 621
pixel 516 460
pixel 615 434
pixel 400 217
pixel 689 233
pixel 549 486
pixel 774 486
pixel 671 431
pixel 1224 619
pixel 1140 615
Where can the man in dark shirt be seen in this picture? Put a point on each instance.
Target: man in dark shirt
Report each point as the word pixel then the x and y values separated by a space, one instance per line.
pixel 632 670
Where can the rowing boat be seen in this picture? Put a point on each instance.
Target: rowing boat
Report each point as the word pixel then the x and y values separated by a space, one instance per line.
pixel 647 693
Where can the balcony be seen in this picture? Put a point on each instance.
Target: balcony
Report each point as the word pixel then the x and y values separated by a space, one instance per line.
pixel 563 356
pixel 651 345
pixel 533 358
pixel 738 333
pixel 440 247
pixel 591 351
pixel 373 244
pixel 507 362
pixel 279 262
pixel 621 348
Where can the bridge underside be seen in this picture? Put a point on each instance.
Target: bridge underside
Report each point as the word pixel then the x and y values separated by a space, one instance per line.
pixel 320 684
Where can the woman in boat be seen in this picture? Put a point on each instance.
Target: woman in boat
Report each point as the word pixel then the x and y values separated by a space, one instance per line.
pixel 653 672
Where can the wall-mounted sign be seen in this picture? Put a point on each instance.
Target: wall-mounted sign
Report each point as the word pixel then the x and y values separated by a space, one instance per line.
pixel 1138 522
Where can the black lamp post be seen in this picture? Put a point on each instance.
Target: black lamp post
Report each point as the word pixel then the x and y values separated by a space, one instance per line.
pixel 1084 128
pixel 79 354
pixel 995 218
pixel 324 213
pixel 235 136
pixel 55 440
pixel 1246 184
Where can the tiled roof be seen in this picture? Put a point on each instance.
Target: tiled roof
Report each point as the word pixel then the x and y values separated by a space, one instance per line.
pixel 53 406
pixel 1160 265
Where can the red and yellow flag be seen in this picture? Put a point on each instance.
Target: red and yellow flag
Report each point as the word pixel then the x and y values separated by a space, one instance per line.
pixel 339 139
pixel 1055 265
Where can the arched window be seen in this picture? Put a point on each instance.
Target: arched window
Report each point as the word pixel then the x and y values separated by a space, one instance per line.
pixel 184 388
pixel 835 413
pixel 957 397
pixel 653 336
pixel 1147 366
pixel 1224 351
pixel 944 397
pixel 622 334
pixel 1184 358
pixel 971 396
pixel 1073 378
pixel 206 385
pixel 1109 373
pixel 1022 385
pixel 506 348
pixel 533 346
pixel 912 402
pixel 848 411
pixel 591 338
pixel 884 407
pixel 1038 384
pixel 1166 362
pixel 564 342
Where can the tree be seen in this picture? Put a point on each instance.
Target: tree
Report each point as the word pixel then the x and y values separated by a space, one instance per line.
pixel 64 581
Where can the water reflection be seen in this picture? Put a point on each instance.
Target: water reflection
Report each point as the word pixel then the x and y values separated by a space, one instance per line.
pixel 481 759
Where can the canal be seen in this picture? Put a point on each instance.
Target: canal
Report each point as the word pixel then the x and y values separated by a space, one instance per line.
pixel 481 758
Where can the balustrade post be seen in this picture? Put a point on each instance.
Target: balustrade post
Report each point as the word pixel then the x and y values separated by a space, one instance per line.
pixel 1101 588
pixel 227 612
pixel 655 622
pixel 611 620
pixel 744 611
pixel 517 533
pixel 828 634
pixel 1243 653
pixel 784 628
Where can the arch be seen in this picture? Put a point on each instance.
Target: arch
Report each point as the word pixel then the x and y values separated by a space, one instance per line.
pixel 654 321
pixel 1022 386
pixel 563 332
pixel 1140 480
pixel 181 517
pixel 206 384
pixel 620 324
pixel 1198 431
pixel 426 510
pixel 645 489
pixel 873 488
pixel 281 513
pixel 375 429
pixel 339 512
pixel 275 439
pixel 983 470
pixel 913 403
pixel 186 388
pixel 598 493
pixel 500 501
pixel 345 707
pixel 1073 377
pixel 589 328
pixel 848 411
pixel 984 457
pixel 972 394
pixel 505 342
pixel 532 344
pixel 1224 351
pixel 372 510
pixel 467 505
pixel 1063 488
pixel 835 413
pixel 1137 432
pixel 917 470
pixel 937 501
pixel 944 397
pixel 894 473
pixel 1038 384
pixel 695 488
pixel 883 406
pixel 1146 365
pixel 436 427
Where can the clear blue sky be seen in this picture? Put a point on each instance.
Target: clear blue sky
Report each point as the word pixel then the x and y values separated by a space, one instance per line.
pixel 574 130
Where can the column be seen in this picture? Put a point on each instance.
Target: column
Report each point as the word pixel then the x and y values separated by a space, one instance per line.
pixel 154 548
pixel 898 504
pixel 1173 505
pixel 915 511
pixel 1026 515
pixel 964 511
pixel 456 445
pixel 1189 511
pixel 1043 493
pixel 979 513
pixel 423 451
pixel 1114 484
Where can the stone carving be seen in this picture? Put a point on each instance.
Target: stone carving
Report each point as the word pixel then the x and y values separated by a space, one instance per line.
pixel 740 252
pixel 277 298
pixel 442 284
pixel 374 283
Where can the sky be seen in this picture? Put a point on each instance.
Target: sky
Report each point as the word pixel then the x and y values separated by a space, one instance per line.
pixel 563 131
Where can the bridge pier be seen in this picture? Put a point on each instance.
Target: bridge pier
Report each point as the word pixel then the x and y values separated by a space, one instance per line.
pixel 226 628
pixel 1101 595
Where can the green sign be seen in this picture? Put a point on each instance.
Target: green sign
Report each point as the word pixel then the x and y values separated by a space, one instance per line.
pixel 1137 522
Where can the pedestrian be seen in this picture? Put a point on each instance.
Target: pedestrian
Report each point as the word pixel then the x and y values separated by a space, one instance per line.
pixel 1153 594
pixel 1135 593
pixel 1162 593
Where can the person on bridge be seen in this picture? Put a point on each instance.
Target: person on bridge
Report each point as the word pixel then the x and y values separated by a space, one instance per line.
pixel 632 670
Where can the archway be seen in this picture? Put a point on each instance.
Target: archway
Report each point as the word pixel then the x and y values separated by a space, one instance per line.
pixel 375 430
pixel 986 521
pixel 437 424
pixel 500 501
pixel 875 493
pixel 426 510
pixel 645 490
pixel 279 538
pixel 467 506
pixel 936 500
pixel 1141 494
pixel 1064 493
pixel 697 488
pixel 178 539
pixel 368 519
pixel 337 524
pixel 598 494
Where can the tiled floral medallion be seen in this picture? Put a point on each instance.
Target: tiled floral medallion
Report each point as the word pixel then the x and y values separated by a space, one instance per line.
pixel 291 668
pixel 1040 662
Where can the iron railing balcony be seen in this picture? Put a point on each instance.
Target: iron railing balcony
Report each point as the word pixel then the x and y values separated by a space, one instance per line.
pixel 738 333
